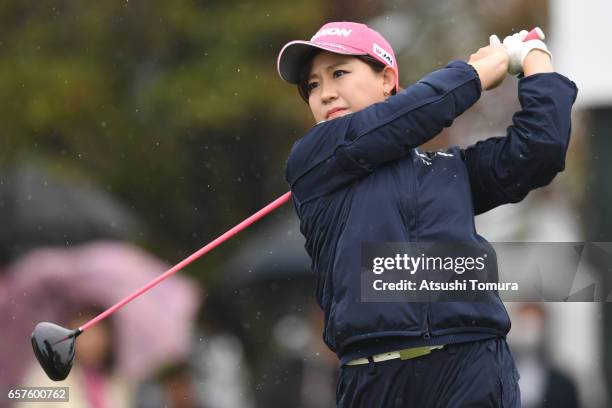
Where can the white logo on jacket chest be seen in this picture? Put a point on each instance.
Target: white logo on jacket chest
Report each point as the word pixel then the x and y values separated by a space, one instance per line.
pixel 428 157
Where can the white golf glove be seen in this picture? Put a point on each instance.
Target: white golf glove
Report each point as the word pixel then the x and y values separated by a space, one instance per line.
pixel 518 50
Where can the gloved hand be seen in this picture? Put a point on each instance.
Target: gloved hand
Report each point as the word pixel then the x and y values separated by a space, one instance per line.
pixel 518 50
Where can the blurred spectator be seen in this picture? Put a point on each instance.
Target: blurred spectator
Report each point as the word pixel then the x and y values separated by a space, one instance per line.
pixel 220 369
pixel 303 372
pixel 212 375
pixel 172 387
pixel 93 381
pixel 542 384
pixel 54 284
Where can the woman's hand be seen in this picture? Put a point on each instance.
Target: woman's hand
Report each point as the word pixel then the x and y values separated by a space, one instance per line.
pixel 537 62
pixel 491 63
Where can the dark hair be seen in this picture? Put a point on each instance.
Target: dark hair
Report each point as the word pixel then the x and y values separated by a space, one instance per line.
pixel 375 64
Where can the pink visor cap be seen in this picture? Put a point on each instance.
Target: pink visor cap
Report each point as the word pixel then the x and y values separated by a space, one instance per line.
pixel 338 37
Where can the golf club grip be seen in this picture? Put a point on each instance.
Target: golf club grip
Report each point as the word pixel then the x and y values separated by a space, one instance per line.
pixel 535 34
pixel 208 247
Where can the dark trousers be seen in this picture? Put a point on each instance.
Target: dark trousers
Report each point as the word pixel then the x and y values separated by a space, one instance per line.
pixel 474 374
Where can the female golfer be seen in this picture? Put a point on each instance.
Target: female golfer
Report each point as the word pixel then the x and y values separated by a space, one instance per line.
pixel 358 176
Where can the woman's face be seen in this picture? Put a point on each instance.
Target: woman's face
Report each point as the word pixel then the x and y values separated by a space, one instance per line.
pixel 345 83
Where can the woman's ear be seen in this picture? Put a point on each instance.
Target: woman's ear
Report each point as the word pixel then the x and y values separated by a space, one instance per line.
pixel 389 80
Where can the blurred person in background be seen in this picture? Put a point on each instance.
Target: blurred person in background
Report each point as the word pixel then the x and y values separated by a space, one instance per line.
pixel 304 371
pixel 217 359
pixel 213 375
pixel 151 332
pixel 179 388
pixel 171 387
pixel 542 384
pixel 70 286
pixel 93 381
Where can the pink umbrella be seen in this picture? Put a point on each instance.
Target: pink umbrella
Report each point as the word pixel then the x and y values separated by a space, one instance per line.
pixel 47 284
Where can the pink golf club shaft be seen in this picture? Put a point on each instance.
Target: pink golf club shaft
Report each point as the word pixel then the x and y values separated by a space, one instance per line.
pixel 211 245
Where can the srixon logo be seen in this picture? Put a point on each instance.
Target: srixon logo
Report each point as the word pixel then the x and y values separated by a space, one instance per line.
pixel 344 32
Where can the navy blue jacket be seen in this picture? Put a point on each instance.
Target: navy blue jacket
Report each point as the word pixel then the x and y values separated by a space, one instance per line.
pixel 361 178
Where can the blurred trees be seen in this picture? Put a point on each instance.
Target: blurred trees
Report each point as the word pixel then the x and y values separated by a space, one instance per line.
pixel 174 107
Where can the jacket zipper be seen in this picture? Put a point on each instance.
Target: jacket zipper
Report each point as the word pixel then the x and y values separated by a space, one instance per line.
pixel 427 331
pixel 415 213
pixel 415 201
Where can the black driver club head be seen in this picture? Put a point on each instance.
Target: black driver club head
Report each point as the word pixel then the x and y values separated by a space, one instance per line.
pixel 54 349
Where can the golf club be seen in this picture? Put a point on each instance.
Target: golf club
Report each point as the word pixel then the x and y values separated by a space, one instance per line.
pixel 54 346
